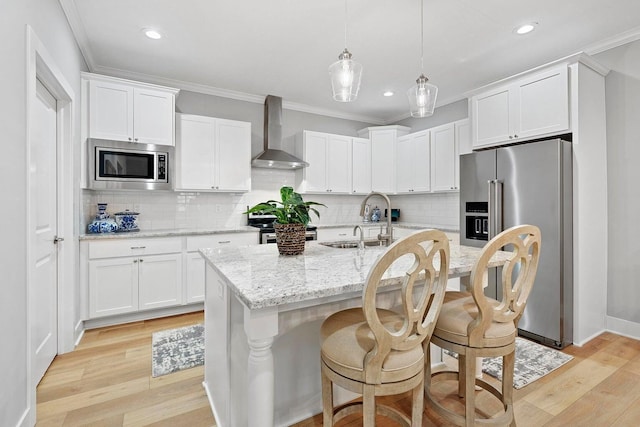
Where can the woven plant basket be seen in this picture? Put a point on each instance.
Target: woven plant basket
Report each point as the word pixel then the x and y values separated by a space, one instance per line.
pixel 290 238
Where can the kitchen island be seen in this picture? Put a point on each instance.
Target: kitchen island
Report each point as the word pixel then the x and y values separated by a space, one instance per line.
pixel 262 319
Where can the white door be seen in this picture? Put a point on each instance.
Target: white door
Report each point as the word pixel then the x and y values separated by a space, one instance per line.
pixel 43 196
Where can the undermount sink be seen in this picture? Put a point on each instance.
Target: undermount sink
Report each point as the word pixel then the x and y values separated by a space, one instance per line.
pixel 351 244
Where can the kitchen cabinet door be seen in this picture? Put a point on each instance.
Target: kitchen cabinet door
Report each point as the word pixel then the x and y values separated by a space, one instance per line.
pixel 339 164
pixel 443 158
pixel 543 103
pixel 195 152
pixel 126 112
pixel 361 166
pixel 233 153
pixel 110 111
pixel 413 163
pixel 213 154
pixel 113 286
pixel 383 161
pixel 329 157
pixel 533 106
pixel 160 281
pixel 463 145
pixel 492 117
pixel 153 116
pixel 313 149
pixel 195 265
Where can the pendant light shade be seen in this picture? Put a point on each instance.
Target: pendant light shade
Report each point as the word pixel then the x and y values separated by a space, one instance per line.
pixel 345 77
pixel 345 73
pixel 422 96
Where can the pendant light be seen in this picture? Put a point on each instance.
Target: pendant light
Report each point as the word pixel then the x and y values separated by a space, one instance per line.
pixel 422 96
pixel 345 73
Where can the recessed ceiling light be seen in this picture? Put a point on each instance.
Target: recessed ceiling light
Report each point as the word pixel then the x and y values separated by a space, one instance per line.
pixel 525 28
pixel 387 93
pixel 152 34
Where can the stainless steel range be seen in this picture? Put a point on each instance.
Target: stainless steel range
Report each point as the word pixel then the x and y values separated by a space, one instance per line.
pixel 268 232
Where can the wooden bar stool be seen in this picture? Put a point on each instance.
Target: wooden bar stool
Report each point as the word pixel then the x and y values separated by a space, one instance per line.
pixel 377 352
pixel 474 325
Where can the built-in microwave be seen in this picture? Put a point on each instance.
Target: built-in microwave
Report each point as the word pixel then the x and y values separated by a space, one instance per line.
pixel 117 165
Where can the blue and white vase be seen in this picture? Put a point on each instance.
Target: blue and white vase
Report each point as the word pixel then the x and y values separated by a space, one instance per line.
pixel 102 223
pixel 127 220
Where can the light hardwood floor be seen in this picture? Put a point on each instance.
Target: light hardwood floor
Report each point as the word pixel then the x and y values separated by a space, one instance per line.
pixel 107 381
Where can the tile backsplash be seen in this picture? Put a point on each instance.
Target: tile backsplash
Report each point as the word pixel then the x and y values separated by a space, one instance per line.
pixel 161 210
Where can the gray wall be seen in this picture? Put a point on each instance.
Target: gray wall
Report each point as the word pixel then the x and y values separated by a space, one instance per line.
pixel 623 152
pixel 49 23
pixel 294 122
pixel 446 114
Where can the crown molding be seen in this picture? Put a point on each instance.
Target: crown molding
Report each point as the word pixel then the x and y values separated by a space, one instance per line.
pixel 613 42
pixel 231 94
pixel 77 28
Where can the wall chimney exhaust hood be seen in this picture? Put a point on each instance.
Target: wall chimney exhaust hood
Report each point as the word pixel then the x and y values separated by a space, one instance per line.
pixel 273 157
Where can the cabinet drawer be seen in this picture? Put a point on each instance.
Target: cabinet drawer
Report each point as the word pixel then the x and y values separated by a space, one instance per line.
pixel 132 247
pixel 222 239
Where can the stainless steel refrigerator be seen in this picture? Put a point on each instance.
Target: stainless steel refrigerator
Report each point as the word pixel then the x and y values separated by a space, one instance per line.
pixel 526 184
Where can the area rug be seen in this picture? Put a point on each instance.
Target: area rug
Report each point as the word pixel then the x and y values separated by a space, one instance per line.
pixel 177 349
pixel 533 361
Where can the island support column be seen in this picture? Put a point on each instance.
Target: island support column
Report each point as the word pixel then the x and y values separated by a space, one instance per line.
pixel 261 326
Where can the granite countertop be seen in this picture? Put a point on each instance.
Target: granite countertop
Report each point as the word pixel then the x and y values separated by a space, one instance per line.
pixel 174 232
pixel 261 278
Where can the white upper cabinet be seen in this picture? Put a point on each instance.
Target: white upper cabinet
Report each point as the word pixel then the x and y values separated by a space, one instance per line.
pixel 532 106
pixel 462 130
pixel 383 155
pixel 213 154
pixel 413 163
pixel 444 155
pixel 329 157
pixel 361 170
pixel 130 111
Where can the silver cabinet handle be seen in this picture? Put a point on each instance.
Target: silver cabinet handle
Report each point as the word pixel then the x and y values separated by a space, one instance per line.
pixel 135 261
pixel 57 240
pixel 141 260
pixel 138 247
pixel 224 241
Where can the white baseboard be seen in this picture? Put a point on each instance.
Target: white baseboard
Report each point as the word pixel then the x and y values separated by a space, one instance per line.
pixel 623 327
pixel 24 419
pixel 141 315
pixel 213 407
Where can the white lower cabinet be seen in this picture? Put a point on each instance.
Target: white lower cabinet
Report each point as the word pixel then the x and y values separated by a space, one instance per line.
pixel 123 285
pixel 159 281
pixel 195 265
pixel 132 275
pixel 113 287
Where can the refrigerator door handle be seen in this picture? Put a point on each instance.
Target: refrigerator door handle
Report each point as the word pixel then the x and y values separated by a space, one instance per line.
pixel 495 207
pixel 491 208
pixel 498 208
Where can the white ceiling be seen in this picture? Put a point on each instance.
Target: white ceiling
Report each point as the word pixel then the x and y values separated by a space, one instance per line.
pixel 246 49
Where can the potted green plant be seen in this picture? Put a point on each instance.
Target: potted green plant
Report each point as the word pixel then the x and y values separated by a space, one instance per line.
pixel 292 217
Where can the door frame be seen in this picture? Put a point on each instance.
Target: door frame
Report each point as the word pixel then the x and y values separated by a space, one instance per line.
pixel 41 65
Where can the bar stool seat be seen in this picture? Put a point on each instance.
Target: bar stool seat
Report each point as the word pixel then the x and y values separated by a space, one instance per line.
pixel 377 352
pixel 474 325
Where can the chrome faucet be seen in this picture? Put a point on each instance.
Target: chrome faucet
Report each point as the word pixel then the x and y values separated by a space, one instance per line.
pixel 388 236
pixel 361 241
